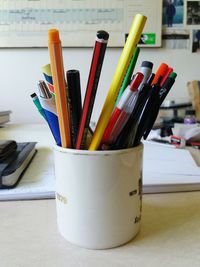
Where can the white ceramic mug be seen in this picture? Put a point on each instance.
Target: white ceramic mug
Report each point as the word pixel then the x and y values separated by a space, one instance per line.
pixel 98 195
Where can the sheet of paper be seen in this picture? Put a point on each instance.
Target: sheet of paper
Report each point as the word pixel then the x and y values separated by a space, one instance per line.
pixel 165 160
pixel 168 169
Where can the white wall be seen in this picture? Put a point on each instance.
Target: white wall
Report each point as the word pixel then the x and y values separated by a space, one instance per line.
pixel 20 69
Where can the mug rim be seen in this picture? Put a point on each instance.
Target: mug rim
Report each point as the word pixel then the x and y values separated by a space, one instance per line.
pixel 97 152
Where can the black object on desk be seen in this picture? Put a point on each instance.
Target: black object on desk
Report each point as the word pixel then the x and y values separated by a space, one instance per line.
pixel 7 147
pixel 175 107
pixel 168 122
pixel 14 162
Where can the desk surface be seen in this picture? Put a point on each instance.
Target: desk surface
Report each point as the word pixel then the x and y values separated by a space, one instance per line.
pixel 169 236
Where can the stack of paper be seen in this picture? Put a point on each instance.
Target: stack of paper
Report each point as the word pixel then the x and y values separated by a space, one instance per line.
pixel 168 169
pixel 4 116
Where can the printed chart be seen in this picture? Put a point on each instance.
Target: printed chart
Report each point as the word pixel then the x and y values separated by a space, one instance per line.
pixel 24 23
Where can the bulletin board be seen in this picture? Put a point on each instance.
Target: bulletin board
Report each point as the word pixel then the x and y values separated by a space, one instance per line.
pixel 24 23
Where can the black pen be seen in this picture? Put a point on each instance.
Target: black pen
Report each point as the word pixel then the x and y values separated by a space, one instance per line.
pixel 162 94
pixel 146 113
pixel 167 86
pixel 74 100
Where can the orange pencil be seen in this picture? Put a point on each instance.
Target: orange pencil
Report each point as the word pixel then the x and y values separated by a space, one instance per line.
pixel 56 60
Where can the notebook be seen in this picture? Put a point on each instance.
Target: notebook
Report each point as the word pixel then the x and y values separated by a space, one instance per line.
pixel 167 169
pixel 38 181
pixel 14 165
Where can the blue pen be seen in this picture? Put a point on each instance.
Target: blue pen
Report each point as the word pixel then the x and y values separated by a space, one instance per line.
pixel 49 107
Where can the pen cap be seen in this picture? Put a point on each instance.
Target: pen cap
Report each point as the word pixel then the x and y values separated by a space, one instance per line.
pixel 146 69
pixel 73 78
pixel 136 81
pixel 34 96
pixel 53 36
pixel 74 92
pixel 161 71
pixel 147 64
pixel 173 75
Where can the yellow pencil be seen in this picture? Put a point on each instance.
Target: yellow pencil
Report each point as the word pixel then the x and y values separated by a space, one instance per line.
pixel 127 53
pixel 56 60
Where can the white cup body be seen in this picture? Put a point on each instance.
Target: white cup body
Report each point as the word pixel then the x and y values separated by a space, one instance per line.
pixel 98 195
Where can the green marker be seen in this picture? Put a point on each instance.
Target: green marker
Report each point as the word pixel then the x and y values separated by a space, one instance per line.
pixel 36 101
pixel 128 75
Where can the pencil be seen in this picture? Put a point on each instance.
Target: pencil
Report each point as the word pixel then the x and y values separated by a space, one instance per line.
pixel 56 61
pixel 93 80
pixel 127 53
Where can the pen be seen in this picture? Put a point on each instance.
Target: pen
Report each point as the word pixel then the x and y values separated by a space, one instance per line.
pixel 46 70
pixel 167 86
pixel 75 103
pixel 48 104
pixel 146 70
pixel 147 112
pixel 151 104
pixel 127 135
pixel 158 101
pixel 56 61
pixel 169 70
pixel 160 72
pixel 93 80
pixel 37 103
pixel 128 75
pixel 121 112
pixel 120 124
pixel 127 53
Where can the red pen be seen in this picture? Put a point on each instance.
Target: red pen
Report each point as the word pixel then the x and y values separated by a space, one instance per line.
pixel 120 114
